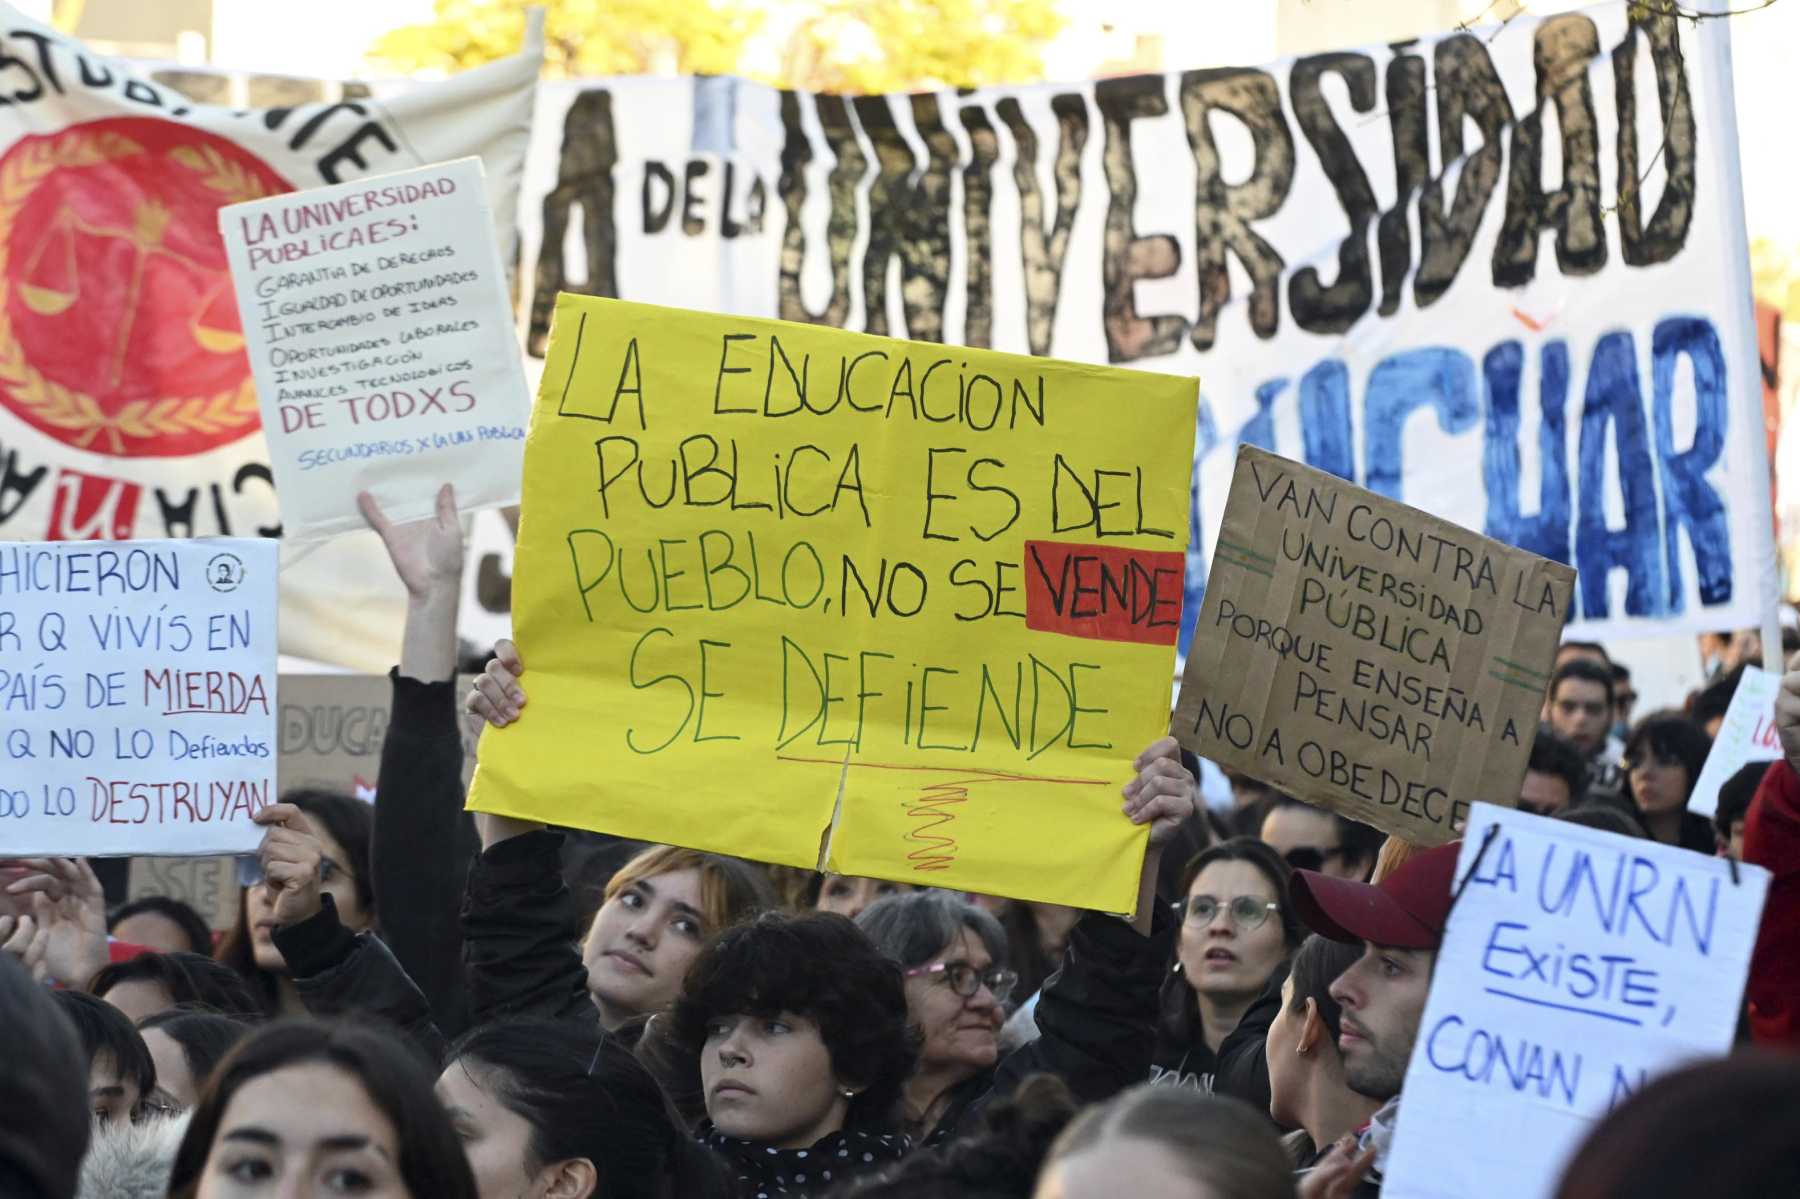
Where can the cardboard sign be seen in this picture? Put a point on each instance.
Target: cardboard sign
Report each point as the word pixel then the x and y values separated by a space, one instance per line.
pixel 137 685
pixel 378 326
pixel 1575 966
pixel 1368 657
pixel 208 885
pixel 778 584
pixel 333 727
pixel 1747 735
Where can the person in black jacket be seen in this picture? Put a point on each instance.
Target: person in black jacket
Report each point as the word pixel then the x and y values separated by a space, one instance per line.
pixel 1238 930
pixel 1097 1017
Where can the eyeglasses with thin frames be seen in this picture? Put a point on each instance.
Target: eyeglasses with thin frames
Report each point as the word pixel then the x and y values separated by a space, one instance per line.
pixel 1245 911
pixel 965 980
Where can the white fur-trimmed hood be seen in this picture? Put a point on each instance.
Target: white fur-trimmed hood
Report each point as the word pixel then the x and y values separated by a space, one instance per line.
pixel 132 1162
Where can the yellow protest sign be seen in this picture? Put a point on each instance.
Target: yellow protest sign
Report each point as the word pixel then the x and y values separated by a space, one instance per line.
pixel 828 599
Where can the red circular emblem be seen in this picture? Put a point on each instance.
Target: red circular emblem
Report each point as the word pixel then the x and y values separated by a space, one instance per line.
pixel 119 330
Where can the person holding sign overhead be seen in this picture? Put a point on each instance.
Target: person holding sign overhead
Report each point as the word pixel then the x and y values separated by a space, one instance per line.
pixel 1096 1018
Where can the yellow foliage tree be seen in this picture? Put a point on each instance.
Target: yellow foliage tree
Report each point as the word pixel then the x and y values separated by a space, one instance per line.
pixel 581 37
pixel 822 45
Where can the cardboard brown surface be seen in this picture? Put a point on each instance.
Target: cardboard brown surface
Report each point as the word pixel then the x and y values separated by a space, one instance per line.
pixel 1368 657
pixel 208 885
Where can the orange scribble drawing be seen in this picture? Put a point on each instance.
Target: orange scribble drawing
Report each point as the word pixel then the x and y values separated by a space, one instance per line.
pixel 933 808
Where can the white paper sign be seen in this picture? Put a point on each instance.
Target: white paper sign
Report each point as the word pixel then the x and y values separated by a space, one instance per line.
pixel 380 333
pixel 137 695
pixel 1576 964
pixel 1747 735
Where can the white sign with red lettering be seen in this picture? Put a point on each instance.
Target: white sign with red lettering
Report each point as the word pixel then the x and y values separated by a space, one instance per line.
pixel 380 331
pixel 1747 735
pixel 137 695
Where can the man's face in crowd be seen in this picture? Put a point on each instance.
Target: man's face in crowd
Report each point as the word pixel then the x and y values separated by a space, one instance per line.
pixel 1543 794
pixel 1581 712
pixel 1383 997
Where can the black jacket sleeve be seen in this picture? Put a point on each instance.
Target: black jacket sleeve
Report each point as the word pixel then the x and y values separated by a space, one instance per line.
pixel 519 934
pixel 340 973
pixel 1097 1015
pixel 423 843
pixel 1241 1069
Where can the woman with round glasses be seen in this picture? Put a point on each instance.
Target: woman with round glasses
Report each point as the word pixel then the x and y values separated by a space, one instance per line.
pixel 312 867
pixel 1238 931
pixel 1090 1016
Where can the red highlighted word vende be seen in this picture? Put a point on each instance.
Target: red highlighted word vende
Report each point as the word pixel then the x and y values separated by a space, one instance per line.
pixel 1103 592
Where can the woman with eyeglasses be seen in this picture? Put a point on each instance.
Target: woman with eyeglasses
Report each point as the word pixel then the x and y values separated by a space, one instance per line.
pixel 312 867
pixel 1090 1016
pixel 1663 757
pixel 1238 930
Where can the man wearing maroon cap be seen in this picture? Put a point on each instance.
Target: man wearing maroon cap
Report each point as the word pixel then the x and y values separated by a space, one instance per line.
pixel 1400 924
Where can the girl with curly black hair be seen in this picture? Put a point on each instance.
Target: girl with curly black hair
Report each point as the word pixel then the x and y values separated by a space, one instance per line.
pixel 792 1031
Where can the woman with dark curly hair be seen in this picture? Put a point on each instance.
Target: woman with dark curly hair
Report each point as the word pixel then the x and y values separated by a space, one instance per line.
pixel 793 1032
pixel 1663 757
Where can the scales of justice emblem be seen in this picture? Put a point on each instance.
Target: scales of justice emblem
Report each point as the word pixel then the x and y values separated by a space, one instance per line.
pixel 119 329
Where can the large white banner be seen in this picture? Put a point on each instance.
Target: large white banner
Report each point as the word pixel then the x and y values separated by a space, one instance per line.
pixel 127 407
pixel 1498 274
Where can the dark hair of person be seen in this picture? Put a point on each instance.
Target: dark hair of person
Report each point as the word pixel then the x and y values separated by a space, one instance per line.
pixel 191 981
pixel 1317 964
pixel 431 1159
pixel 1735 797
pixel 1000 1160
pixel 1224 1145
pixel 1360 842
pixel 192 926
pixel 1555 756
pixel 1621 673
pixel 1180 1020
pixel 589 862
pixel 105 1031
pixel 205 1037
pixel 1586 670
pixel 351 823
pixel 1714 700
pixel 1671 737
pixel 1726 1129
pixel 586 1096
pixel 1585 647
pixel 43 1091
pixel 1605 817
pixel 817 965
pixel 910 930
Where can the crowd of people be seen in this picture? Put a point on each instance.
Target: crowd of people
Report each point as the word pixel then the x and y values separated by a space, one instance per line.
pixel 416 1002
